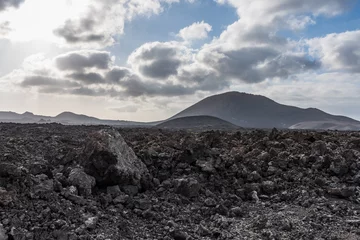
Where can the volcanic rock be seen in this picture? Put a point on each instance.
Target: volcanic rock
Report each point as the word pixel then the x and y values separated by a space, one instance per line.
pixel 114 191
pixel 179 235
pixel 5 197
pixel 91 222
pixel 284 185
pixel 110 160
pixel 3 235
pixel 187 187
pixel 82 181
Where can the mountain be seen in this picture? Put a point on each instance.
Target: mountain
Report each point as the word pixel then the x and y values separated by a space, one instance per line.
pixel 66 118
pixel 197 122
pixel 72 117
pixel 240 109
pixel 255 111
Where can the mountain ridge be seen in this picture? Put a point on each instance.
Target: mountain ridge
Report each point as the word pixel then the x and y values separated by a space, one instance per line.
pixel 240 109
pixel 256 111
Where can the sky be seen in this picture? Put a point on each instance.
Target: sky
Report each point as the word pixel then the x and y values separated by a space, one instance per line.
pixel 146 60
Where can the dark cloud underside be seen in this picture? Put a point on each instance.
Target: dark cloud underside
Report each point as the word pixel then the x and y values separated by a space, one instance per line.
pixel 10 3
pixel 78 61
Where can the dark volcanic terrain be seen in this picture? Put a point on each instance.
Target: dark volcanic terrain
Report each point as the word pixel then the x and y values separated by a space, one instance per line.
pixel 197 123
pixel 90 182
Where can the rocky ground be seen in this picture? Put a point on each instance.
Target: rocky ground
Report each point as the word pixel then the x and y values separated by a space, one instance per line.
pixel 78 182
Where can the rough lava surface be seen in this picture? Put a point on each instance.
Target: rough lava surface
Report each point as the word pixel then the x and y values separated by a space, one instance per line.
pixel 96 182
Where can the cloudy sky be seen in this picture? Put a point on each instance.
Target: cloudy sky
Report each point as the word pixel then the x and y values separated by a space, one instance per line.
pixel 148 59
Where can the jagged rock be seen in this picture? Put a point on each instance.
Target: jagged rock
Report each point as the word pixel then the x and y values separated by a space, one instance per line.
pixel 3 235
pixel 206 166
pixel 74 198
pixel 121 199
pixel 114 191
pixel 237 212
pixel 131 190
pixel 319 148
pixel 203 231
pixel 40 168
pixel 272 170
pixel 44 187
pixel 91 222
pixel 110 160
pixel 274 134
pixel 20 234
pixel 339 166
pixel 5 197
pixel 9 170
pixel 254 176
pixel 342 192
pixel 357 179
pixel 210 202
pixel 187 187
pixel 179 235
pixel 254 196
pixel 268 187
pixel 82 181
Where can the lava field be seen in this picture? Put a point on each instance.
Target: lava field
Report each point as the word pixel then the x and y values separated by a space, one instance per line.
pixel 95 182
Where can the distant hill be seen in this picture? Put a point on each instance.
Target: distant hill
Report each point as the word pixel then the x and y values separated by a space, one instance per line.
pixel 255 111
pixel 197 122
pixel 66 118
pixel 72 117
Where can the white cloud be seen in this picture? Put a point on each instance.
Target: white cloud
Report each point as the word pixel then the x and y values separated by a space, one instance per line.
pixel 338 51
pixel 197 30
pixel 80 23
pixel 299 22
pixel 159 60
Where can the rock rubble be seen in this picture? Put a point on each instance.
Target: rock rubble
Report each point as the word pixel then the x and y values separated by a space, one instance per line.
pixel 91 182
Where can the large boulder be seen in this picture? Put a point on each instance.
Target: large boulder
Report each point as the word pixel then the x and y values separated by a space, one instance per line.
pixel 110 160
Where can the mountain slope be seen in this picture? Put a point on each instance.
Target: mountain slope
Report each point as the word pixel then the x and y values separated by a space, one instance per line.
pixel 254 111
pixel 197 122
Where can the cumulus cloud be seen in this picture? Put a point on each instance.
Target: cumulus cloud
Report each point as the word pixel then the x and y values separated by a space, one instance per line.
pixel 338 51
pixel 87 78
pixel 117 74
pixel 261 20
pixel 81 32
pixel 202 77
pixel 97 25
pixel 136 88
pixel 43 81
pixel 80 60
pixel 198 30
pixel 4 4
pixel 159 59
pixel 255 64
pixel 103 80
pixel 269 10
pixel 248 51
